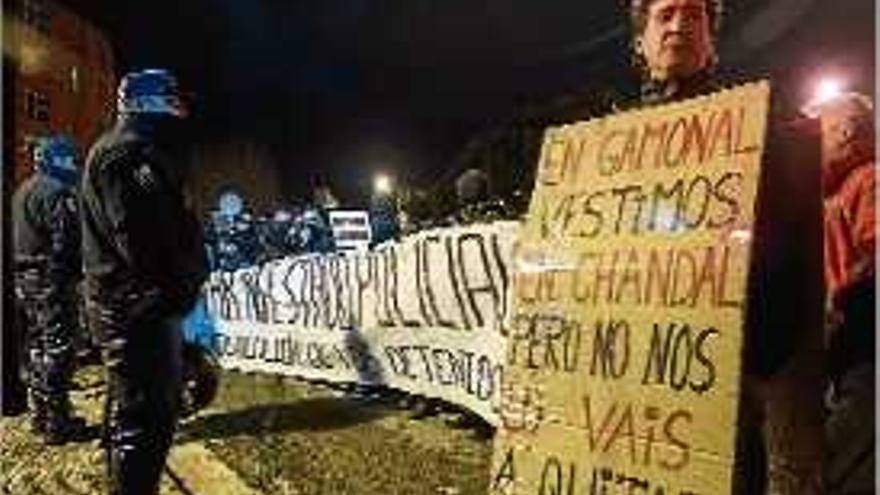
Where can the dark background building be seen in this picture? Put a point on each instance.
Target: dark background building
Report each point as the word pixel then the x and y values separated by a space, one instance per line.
pixel 63 77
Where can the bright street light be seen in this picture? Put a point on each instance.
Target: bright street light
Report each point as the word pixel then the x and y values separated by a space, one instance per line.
pixel 382 184
pixel 827 89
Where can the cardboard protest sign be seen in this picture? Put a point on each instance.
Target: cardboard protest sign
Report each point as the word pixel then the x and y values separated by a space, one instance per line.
pixel 629 284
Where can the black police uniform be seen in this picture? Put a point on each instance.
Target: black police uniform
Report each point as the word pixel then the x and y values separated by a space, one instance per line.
pixel 145 262
pixel 47 269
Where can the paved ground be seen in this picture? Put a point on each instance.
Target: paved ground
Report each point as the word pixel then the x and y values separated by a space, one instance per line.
pixel 266 435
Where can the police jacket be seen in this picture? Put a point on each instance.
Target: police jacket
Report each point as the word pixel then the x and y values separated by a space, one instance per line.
pixel 45 229
pixel 142 247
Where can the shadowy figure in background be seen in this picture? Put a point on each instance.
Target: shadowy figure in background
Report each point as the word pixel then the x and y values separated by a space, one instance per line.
pixel 475 201
pixel 849 195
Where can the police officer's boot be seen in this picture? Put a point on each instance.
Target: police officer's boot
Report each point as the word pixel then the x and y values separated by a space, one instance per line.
pixel 36 391
pixel 62 426
pixel 38 412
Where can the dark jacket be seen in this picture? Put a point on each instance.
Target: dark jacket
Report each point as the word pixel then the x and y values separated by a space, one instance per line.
pixel 45 229
pixel 142 248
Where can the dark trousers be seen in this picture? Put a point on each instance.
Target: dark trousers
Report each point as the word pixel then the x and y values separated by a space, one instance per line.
pixel 143 364
pixel 49 331
pixel 849 433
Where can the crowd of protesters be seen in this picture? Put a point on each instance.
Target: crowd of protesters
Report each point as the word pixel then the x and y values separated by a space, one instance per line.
pixel 237 238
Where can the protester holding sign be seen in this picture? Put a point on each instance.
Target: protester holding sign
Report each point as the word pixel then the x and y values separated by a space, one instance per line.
pixel 657 247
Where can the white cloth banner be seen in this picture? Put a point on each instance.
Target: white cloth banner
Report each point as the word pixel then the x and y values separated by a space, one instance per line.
pixel 425 315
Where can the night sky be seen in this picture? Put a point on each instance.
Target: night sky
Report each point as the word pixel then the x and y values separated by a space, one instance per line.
pixel 347 87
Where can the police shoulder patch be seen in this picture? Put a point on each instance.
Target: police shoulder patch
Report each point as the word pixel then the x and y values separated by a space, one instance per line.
pixel 70 204
pixel 145 176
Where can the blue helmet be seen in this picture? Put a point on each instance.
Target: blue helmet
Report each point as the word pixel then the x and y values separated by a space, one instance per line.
pixel 55 155
pixel 152 91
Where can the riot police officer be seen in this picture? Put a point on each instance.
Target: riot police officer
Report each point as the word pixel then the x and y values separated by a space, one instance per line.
pixel 47 269
pixel 144 263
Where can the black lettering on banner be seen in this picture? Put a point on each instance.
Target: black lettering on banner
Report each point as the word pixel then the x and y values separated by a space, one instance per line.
pixel 446 374
pixel 213 301
pixel 248 346
pixel 611 349
pixel 623 195
pixel 314 291
pixel 673 351
pixel 313 309
pixel 476 375
pixel 471 289
pixel 426 264
pixel 426 363
pixel 728 198
pixel 420 283
pixel 559 217
pixel 500 264
pixel 224 345
pixel 294 302
pixel 680 123
pixel 248 283
pixel 680 367
pixel 652 133
pixel 316 356
pixel 322 294
pixel 266 285
pixel 706 384
pixel 400 361
pixel 296 353
pixel 396 292
pixel 551 342
pixel 660 206
pixel 613 159
pixel 466 361
pixel 683 446
pixel 281 349
pixel 352 320
pixel 506 474
pixel 594 212
pixel 704 198
pixel 361 284
pixel 485 378
pixel 234 298
pixel 605 481
pixel 454 282
pixel 380 281
pixel 272 350
pixel 387 289
pixel 304 292
pixel 554 480
pixel 343 357
pixel 382 293
pixel 325 291
pixel 341 315
pixel 338 276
